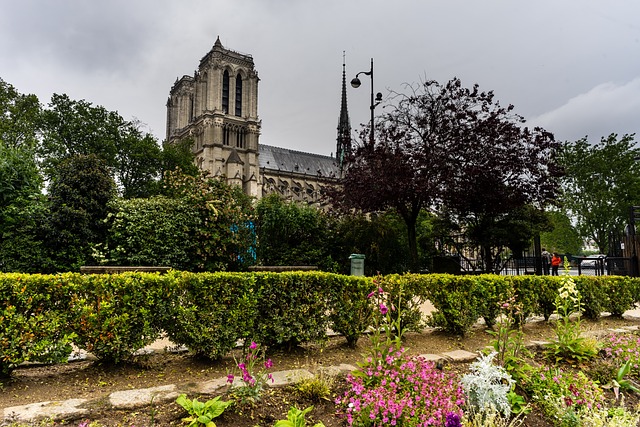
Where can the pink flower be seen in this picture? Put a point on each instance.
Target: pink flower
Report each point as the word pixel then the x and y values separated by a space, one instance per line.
pixel 253 345
pixel 230 378
pixel 268 363
pixel 383 309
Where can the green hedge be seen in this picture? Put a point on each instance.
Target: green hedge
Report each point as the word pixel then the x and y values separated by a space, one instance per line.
pixel 34 319
pixel 113 316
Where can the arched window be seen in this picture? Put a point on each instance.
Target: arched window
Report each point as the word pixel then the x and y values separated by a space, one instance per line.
pixel 225 92
pixel 238 95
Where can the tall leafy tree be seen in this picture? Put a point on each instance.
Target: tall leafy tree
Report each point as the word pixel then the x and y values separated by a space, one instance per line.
pixel 22 208
pixel 602 182
pixel 563 237
pixel 20 117
pixel 79 194
pixel 292 234
pixel 134 157
pixel 455 148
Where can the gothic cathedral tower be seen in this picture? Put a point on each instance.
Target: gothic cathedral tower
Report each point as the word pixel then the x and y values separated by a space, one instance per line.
pixel 217 109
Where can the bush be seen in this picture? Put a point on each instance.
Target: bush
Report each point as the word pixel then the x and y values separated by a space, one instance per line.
pixel 620 296
pixel 456 300
pixel 593 295
pixel 291 308
pixel 116 315
pixel 211 311
pixel 34 319
pixel 350 309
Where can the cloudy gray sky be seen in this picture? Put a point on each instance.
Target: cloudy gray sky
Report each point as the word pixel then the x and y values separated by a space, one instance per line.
pixel 571 66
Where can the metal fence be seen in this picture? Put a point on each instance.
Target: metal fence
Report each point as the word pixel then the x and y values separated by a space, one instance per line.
pixel 609 266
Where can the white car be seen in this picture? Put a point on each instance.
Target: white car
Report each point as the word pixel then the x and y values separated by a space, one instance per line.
pixel 591 261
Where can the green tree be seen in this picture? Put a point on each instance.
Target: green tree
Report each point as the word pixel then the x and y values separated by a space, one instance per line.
pixel 79 194
pixel 23 235
pixel 381 238
pixel 154 231
pixel 133 156
pixel 602 182
pixel 20 117
pixel 202 224
pixel 563 238
pixel 139 163
pixel 292 234
pixel 178 155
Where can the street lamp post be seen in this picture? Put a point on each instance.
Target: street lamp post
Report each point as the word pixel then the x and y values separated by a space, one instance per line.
pixel 374 101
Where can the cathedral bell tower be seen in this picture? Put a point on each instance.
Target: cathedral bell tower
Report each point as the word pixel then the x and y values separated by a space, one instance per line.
pixel 217 110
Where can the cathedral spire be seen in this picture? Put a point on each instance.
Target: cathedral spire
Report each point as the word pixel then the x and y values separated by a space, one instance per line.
pixel 344 125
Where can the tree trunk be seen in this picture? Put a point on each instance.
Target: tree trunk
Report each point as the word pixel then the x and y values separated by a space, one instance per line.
pixel 413 246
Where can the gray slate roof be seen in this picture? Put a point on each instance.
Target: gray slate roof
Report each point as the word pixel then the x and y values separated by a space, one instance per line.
pixel 285 160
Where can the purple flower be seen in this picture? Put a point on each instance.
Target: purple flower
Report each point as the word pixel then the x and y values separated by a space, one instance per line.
pixel 371 294
pixel 230 378
pixel 453 420
pixel 383 309
pixel 241 366
pixel 268 363
pixel 253 345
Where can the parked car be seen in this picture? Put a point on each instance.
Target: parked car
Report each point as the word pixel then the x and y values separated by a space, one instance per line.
pixel 591 261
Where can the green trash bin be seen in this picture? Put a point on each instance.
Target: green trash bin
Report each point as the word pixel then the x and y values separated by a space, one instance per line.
pixel 357 264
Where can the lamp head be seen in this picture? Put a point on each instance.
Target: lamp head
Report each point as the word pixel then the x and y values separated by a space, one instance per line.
pixel 378 97
pixel 355 83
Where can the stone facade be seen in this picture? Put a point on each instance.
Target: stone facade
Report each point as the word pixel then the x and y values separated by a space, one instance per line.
pixel 217 108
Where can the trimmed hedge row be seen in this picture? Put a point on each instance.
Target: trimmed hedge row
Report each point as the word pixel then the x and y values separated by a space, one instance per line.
pixel 112 316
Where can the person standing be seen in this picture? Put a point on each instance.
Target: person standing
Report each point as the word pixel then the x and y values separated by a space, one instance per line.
pixel 546 261
pixel 555 263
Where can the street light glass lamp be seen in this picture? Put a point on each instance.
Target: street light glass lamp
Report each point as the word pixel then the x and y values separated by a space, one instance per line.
pixel 355 83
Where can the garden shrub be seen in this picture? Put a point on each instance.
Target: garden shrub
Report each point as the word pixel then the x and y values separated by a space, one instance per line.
pixel 291 308
pixel 211 311
pixel 495 291
pixel 593 295
pixel 114 315
pixel 620 296
pixel 34 318
pixel 456 301
pixel 350 309
pixel 535 294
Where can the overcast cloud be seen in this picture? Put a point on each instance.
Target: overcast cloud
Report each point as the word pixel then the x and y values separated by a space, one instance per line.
pixel 571 66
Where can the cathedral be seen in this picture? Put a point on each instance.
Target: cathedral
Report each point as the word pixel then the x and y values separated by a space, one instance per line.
pixel 217 110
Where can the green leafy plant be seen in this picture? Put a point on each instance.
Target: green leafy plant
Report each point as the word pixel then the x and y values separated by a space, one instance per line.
pixel 621 383
pixel 315 389
pixel 296 418
pixel 569 344
pixel 202 413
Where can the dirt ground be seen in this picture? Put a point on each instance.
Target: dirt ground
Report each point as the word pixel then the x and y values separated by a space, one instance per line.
pixel 89 379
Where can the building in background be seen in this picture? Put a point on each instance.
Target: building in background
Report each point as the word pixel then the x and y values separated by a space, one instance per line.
pixel 217 110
